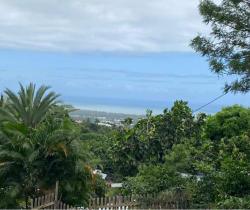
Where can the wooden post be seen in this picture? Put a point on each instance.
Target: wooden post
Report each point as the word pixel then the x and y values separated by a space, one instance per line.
pixel 32 203
pixel 56 194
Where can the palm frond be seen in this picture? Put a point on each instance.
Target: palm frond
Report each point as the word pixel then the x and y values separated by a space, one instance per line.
pixel 29 106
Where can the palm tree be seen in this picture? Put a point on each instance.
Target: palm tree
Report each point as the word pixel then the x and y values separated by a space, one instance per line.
pixel 18 175
pixel 39 144
pixel 32 161
pixel 29 106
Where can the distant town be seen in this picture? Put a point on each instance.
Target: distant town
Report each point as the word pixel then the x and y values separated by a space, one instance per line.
pixel 108 119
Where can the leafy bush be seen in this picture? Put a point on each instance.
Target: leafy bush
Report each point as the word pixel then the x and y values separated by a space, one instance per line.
pixel 152 179
pixel 235 203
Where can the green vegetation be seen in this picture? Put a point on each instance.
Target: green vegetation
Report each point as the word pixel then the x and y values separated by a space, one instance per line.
pixel 228 47
pixel 40 144
pixel 204 158
pixel 212 166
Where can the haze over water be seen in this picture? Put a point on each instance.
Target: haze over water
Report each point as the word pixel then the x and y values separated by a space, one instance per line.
pixel 129 83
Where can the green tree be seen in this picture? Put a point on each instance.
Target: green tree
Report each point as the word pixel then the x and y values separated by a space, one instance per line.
pixel 29 106
pixel 223 159
pixel 153 137
pixel 153 179
pixel 37 159
pixel 229 122
pixel 36 151
pixel 225 172
pixel 212 167
pixel 127 122
pixel 228 47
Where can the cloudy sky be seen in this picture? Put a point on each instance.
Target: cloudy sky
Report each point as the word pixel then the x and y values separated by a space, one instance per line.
pixel 99 25
pixel 109 54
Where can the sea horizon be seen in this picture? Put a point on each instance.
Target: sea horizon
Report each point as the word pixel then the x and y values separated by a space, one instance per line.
pixel 132 107
pixel 127 83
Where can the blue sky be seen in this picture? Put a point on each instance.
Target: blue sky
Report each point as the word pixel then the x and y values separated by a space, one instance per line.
pixel 112 55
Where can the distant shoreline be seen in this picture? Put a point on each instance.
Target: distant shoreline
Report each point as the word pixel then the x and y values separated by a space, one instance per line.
pixel 107 112
pixel 111 118
pixel 116 109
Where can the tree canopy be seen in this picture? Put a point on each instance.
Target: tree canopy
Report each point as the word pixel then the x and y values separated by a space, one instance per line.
pixel 227 48
pixel 39 145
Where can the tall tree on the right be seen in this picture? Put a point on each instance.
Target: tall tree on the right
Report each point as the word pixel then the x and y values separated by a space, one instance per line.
pixel 227 47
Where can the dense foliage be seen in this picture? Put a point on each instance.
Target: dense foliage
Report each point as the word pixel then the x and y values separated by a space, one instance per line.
pixel 212 167
pixel 176 153
pixel 151 138
pixel 207 157
pixel 40 144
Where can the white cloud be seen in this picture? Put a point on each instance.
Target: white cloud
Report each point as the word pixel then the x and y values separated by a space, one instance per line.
pixel 99 25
